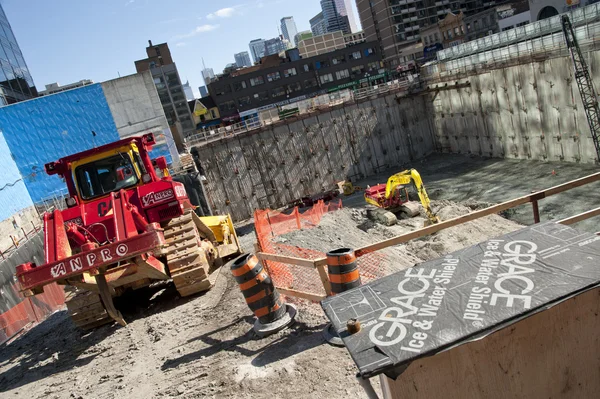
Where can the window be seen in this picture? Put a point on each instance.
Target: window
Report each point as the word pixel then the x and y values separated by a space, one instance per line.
pixel 444 34
pixel 343 74
pixel 237 86
pixel 322 64
pixel 294 87
pixel 273 76
pixel 462 29
pixel 339 59
pixel 355 56
pixel 449 34
pixel 243 101
pixel 213 114
pixel 261 95
pixel 507 28
pixel 476 25
pixel 437 37
pixel 485 21
pixel 308 83
pixel 426 41
pixel 469 27
pixel 358 70
pixel 106 175
pixel 369 51
pixel 522 23
pixel 373 66
pixel 278 91
pixel 307 67
pixel 456 31
pixel 326 78
pixel 289 72
pixel 257 81
pixel 220 91
pixel 159 83
pixel 227 106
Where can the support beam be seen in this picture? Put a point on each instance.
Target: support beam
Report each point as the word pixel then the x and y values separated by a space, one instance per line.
pixel 301 294
pixel 287 259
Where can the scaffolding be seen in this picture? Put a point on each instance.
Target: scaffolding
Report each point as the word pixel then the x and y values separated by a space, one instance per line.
pixel 529 43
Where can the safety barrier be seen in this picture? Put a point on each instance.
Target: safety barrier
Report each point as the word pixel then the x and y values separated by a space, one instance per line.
pixel 16 312
pixel 295 270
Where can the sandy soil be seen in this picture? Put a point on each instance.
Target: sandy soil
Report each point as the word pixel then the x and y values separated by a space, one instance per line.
pixel 204 346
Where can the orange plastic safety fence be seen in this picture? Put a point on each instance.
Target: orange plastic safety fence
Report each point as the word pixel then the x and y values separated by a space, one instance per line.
pixel 31 309
pixel 269 225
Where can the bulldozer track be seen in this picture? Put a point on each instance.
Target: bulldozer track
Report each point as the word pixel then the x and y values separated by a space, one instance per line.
pixel 86 309
pixel 186 260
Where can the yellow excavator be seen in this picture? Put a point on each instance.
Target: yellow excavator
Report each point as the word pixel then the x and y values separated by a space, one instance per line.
pixel 393 196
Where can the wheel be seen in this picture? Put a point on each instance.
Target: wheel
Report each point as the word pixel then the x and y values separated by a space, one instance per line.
pixel 187 259
pixel 86 309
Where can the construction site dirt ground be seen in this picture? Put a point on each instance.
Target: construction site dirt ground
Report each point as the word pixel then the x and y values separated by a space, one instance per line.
pixel 204 346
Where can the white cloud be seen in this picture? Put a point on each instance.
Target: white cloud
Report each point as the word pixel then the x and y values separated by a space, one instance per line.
pixel 196 31
pixel 222 13
pixel 181 44
pixel 129 2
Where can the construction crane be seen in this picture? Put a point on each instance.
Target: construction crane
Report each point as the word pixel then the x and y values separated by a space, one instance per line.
pixel 584 83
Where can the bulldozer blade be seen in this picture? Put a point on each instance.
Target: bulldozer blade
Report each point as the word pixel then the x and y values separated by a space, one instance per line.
pixel 104 291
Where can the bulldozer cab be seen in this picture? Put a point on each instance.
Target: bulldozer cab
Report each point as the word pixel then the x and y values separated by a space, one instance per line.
pixel 107 172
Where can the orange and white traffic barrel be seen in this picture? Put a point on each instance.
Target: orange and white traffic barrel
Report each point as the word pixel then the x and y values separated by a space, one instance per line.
pixel 263 299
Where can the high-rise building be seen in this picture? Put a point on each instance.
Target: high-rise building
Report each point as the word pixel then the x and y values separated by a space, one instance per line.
pixel 396 25
pixel 16 83
pixel 170 89
pixel 274 46
pixel 208 75
pixel 288 29
pixel 318 26
pixel 203 91
pixel 242 59
pixel 338 15
pixel 189 93
pixel 305 34
pixel 257 49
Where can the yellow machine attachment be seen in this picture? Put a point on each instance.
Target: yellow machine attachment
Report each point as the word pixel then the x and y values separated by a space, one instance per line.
pixel 220 230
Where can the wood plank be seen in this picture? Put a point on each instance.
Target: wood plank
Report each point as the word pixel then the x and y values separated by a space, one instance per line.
pixel 551 354
pixel 287 259
pixel 324 279
pixel 580 217
pixel 301 294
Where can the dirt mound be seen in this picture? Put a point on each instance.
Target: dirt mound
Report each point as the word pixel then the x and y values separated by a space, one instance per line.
pixel 349 227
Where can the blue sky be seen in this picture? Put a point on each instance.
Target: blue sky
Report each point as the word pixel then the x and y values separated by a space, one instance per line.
pixel 68 40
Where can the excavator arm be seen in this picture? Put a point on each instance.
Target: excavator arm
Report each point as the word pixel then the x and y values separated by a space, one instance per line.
pixel 411 176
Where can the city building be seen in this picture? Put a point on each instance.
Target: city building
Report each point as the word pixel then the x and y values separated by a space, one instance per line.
pixel 257 49
pixel 78 119
pixel 189 93
pixel 205 113
pixel 452 29
pixel 336 16
pixel 203 91
pixel 57 88
pixel 274 46
pixel 276 80
pixel 481 24
pixel 396 25
pixel 16 83
pixel 288 29
pixel 170 89
pixel 301 36
pixel 542 9
pixel 208 75
pixel 318 26
pixel 431 38
pixel 316 45
pixel 513 15
pixel 232 66
pixel 242 59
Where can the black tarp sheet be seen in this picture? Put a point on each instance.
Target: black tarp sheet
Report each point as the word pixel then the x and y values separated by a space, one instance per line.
pixel 464 296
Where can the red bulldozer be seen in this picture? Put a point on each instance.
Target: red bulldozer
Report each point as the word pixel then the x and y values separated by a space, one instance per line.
pixel 126 225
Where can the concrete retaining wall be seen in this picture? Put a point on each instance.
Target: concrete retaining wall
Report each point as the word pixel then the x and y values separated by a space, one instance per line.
pixel 529 111
pixel 278 164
